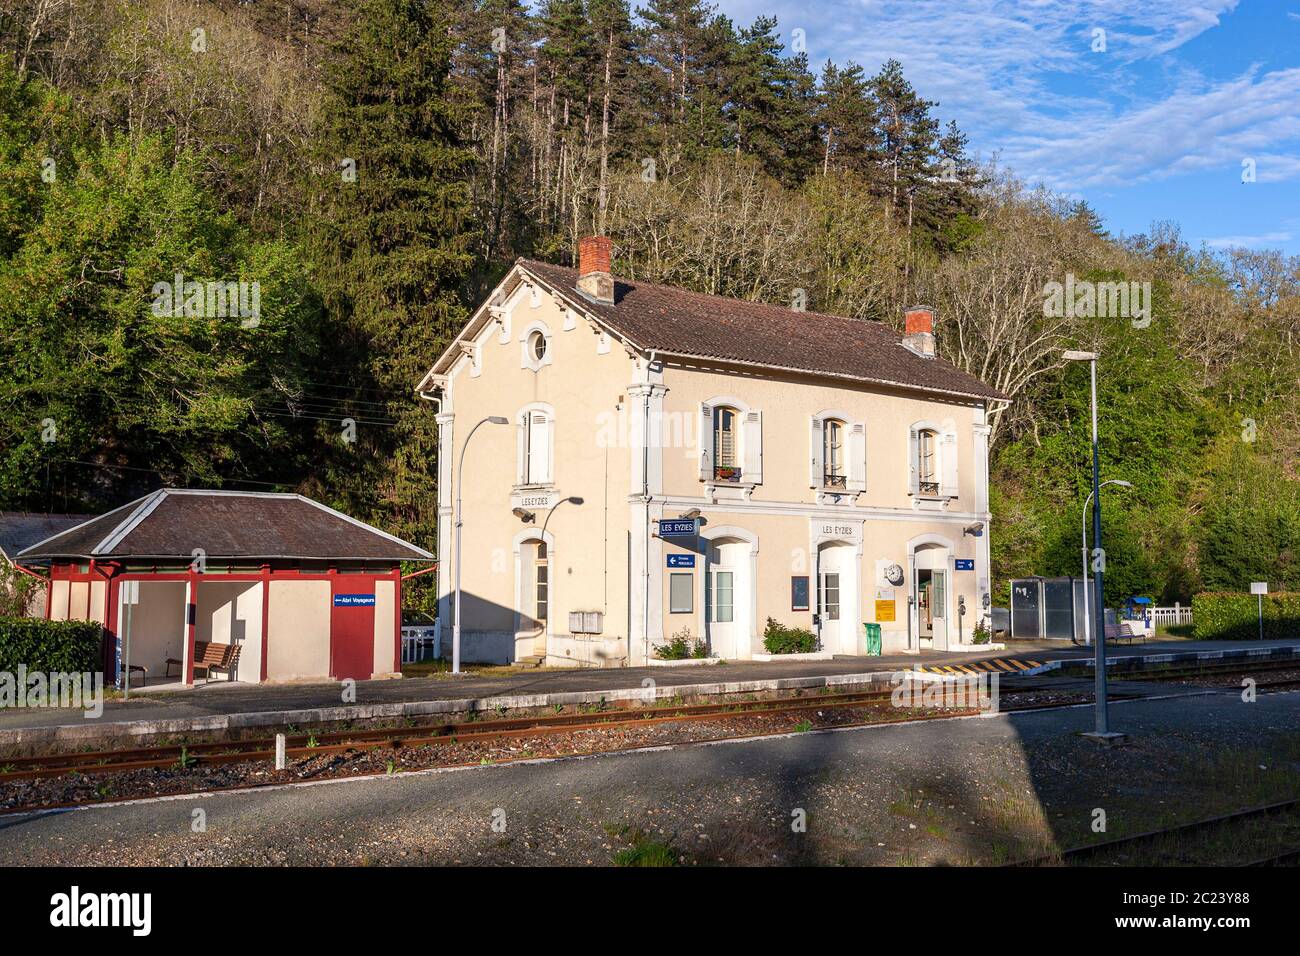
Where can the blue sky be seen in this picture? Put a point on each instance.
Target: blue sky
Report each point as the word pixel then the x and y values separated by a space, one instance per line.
pixel 1155 127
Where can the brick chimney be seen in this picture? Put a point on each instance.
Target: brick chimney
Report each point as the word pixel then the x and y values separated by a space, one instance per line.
pixel 594 278
pixel 918 335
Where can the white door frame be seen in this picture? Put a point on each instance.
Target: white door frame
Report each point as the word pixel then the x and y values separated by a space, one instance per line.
pixel 927 542
pixel 525 537
pixel 709 538
pixel 846 532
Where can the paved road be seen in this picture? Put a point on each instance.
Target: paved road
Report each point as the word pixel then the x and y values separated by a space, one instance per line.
pixel 936 792
pixel 222 698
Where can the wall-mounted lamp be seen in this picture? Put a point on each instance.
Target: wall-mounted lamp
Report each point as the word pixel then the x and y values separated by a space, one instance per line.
pixel 975 529
pixel 523 515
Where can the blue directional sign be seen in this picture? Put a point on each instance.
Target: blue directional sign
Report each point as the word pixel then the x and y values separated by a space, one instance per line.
pixel 681 560
pixel 676 527
pixel 354 600
pixel 964 564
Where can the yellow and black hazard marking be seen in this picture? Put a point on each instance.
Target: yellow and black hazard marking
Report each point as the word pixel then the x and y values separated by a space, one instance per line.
pixel 997 665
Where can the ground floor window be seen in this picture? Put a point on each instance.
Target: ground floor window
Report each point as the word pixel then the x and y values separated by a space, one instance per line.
pixel 830 596
pixel 543 584
pixel 681 593
pixel 723 610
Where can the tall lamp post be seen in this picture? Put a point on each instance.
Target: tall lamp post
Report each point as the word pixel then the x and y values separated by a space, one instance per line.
pixel 571 500
pixel 460 470
pixel 1101 730
pixel 1087 601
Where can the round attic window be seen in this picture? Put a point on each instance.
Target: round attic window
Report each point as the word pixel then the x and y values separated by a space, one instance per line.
pixel 537 347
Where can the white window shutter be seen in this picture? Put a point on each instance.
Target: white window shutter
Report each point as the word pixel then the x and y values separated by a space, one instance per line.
pixel 857 452
pixel 948 464
pixel 752 437
pixel 816 441
pixel 521 454
pixel 539 450
pixel 914 461
pixel 706 442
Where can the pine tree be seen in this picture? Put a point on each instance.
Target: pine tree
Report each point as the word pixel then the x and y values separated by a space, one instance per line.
pixel 908 132
pixel 771 104
pixel 393 248
pixel 848 121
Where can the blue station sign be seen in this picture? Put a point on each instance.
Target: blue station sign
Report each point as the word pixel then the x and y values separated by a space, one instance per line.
pixel 354 600
pixel 681 560
pixel 963 564
pixel 677 527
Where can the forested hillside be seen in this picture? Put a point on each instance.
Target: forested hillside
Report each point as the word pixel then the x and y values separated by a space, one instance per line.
pixel 375 167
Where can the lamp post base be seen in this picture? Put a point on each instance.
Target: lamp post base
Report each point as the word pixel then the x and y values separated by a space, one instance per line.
pixel 1112 738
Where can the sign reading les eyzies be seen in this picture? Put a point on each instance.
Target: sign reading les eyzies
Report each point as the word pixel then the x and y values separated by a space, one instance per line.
pixel 676 527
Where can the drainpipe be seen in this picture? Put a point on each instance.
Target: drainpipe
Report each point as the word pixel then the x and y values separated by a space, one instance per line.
pixel 416 574
pixel 645 497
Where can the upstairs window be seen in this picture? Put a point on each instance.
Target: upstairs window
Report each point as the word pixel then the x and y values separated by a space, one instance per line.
pixel 726 466
pixel 835 475
pixel 933 454
pixel 536 428
pixel 928 462
pixel 731 442
pixel 837 454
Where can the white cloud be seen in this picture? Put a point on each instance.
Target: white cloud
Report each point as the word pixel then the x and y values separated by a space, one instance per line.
pixel 1268 239
pixel 1020 76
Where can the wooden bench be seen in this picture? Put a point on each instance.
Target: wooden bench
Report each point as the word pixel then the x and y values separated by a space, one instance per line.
pixel 210 656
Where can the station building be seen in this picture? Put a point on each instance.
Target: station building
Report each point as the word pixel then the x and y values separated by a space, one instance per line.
pixel 305 592
pixel 682 463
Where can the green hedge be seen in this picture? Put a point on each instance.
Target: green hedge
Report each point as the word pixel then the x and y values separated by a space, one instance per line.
pixel 779 639
pixel 50 646
pixel 1232 616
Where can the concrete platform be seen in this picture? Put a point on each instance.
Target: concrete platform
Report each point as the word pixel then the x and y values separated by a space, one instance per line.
pixel 220 706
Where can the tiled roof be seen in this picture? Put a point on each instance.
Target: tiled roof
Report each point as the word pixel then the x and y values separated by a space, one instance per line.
pixel 676 322
pixel 172 522
pixel 21 529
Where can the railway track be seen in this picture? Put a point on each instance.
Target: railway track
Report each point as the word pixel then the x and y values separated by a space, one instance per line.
pixel 1137 840
pixel 354 741
pixel 307 745
pixel 1208 670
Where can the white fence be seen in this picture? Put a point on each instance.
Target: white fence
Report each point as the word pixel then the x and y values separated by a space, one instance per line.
pixel 1171 615
pixel 418 648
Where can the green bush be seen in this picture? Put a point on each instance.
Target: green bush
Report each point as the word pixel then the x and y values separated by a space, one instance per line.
pixel 1233 616
pixel 50 646
pixel 681 646
pixel 779 639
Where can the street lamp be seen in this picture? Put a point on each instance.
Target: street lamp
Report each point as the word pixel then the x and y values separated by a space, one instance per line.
pixel 1101 730
pixel 460 470
pixel 1087 603
pixel 573 500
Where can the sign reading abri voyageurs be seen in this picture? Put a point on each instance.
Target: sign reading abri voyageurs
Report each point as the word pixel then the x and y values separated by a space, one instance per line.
pixel 354 600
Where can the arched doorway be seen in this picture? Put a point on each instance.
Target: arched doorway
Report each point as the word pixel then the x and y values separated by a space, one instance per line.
pixel 931 594
pixel 533 594
pixel 728 587
pixel 837 596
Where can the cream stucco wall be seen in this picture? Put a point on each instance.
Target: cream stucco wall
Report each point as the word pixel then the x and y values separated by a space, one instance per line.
pixel 585 382
pixel 788 404
pixel 157 627
pixel 298 630
pixel 605 554
pixel 59 600
pixel 385 635
pixel 231 612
